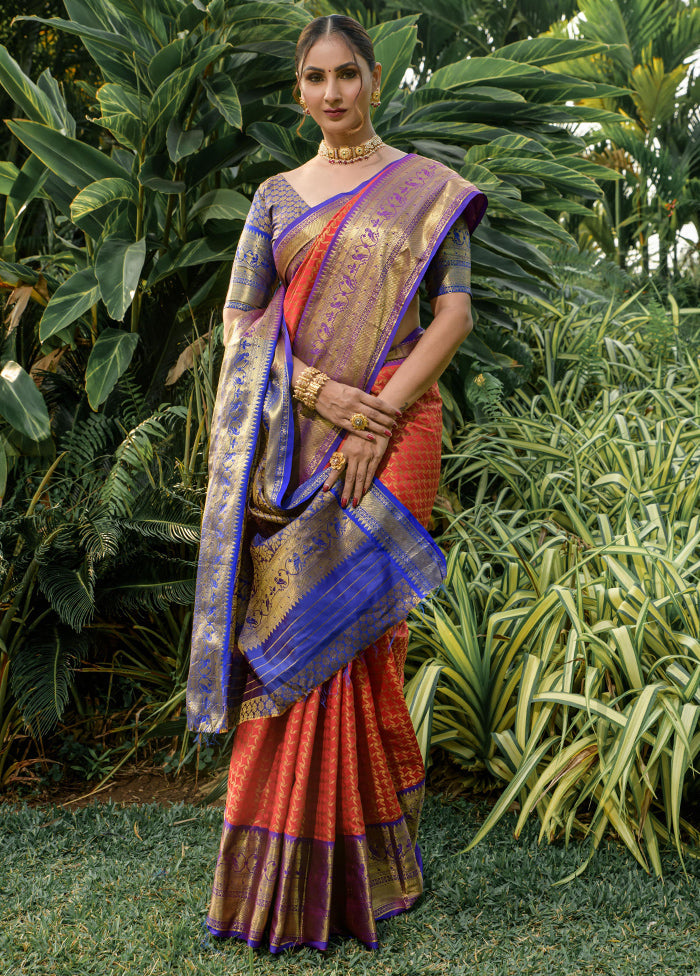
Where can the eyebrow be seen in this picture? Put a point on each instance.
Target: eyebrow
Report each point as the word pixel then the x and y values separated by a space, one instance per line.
pixel 339 68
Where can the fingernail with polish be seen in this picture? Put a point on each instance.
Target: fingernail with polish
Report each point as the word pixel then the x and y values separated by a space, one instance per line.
pixel 371 437
pixel 354 503
pixel 344 503
pixel 326 487
pixel 387 433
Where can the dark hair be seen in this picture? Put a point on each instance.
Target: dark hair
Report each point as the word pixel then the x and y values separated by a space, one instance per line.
pixel 355 34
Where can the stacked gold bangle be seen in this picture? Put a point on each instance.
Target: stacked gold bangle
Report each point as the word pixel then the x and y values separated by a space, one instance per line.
pixel 308 386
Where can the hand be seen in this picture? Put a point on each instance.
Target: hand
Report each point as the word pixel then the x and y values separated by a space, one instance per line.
pixel 363 459
pixel 337 402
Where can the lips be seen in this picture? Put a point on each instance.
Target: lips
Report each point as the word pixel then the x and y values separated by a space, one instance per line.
pixel 334 113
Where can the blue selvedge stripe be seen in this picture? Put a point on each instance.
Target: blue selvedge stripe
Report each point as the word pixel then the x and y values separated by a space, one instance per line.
pixel 237 531
pixel 312 627
pixel 422 536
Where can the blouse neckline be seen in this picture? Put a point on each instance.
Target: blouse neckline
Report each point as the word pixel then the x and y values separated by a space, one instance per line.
pixel 343 193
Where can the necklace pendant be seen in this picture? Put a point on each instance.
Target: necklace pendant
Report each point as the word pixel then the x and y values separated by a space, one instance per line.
pixel 347 155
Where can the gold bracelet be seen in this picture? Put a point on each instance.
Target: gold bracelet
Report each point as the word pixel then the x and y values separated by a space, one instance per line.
pixel 308 386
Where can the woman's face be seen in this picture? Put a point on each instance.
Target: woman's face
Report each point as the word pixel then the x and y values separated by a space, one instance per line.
pixel 337 85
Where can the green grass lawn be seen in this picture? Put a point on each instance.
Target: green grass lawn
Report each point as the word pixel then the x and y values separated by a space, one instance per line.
pixel 111 890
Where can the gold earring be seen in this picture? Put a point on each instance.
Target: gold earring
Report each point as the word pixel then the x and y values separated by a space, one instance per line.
pixel 304 106
pixel 375 100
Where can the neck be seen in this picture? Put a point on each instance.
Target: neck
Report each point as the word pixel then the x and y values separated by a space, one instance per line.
pixel 337 139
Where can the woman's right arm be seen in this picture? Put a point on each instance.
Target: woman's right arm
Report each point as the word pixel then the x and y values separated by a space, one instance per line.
pixel 253 275
pixel 337 402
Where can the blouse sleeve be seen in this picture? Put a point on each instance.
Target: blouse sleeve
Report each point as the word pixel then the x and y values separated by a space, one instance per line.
pixel 253 275
pixel 450 268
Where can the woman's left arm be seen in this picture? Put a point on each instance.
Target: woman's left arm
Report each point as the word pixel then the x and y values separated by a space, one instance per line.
pixel 433 352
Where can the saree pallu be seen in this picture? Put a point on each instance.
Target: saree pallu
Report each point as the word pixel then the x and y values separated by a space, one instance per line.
pixel 299 633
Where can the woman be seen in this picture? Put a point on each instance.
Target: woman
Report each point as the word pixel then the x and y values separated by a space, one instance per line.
pixel 324 465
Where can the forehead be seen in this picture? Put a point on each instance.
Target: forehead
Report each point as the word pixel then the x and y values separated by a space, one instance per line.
pixel 331 51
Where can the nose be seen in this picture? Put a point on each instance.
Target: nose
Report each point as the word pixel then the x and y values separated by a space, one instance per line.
pixel 332 93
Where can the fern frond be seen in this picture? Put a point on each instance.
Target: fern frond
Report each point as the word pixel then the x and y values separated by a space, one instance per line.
pixel 70 594
pixel 100 537
pixel 128 597
pixel 131 471
pixel 167 515
pixel 41 676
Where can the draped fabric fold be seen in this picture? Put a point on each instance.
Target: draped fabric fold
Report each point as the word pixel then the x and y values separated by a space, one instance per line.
pixel 299 635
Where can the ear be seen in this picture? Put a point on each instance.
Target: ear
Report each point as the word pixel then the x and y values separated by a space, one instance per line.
pixel 376 76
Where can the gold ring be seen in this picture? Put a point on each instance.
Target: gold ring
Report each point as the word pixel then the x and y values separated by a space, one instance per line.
pixel 337 461
pixel 359 421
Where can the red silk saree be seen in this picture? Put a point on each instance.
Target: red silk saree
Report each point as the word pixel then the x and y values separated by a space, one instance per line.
pixel 300 637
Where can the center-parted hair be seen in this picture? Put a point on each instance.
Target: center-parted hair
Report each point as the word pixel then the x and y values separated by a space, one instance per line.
pixel 349 29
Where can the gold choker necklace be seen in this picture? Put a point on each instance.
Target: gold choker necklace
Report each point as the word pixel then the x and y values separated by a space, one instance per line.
pixel 350 154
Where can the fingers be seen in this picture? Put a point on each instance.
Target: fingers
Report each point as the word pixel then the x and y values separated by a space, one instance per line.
pixel 369 477
pixel 354 482
pixel 381 410
pixel 331 478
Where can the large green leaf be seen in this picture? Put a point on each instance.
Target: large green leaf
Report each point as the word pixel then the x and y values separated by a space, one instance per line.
pixel 33 102
pixel 167 60
pixel 222 94
pixel 73 161
pixel 182 142
pixel 220 204
pixel 549 50
pixel 21 404
pixel 103 193
pixel 203 250
pixel 123 113
pixel 70 300
pixel 494 70
pixel 108 360
pixel 118 269
pixel 153 175
pixel 394 52
pixel 108 38
pixel 281 144
pixel 8 175
pixel 175 92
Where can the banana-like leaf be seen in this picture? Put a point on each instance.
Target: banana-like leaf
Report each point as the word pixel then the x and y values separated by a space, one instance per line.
pixel 21 403
pixel 222 94
pixel 494 70
pixel 118 270
pixel 108 360
pixel 75 162
pixel 101 194
pixel 394 52
pixel 220 205
pixel 22 91
pixel 70 300
pixel 174 92
pixel 280 143
pixel 182 142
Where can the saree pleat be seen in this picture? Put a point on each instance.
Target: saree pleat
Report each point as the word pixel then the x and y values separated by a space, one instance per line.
pixel 324 801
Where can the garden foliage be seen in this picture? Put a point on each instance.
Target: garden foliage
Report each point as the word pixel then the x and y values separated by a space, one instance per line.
pixel 119 229
pixel 569 630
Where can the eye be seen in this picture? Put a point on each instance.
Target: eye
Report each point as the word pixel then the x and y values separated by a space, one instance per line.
pixel 314 77
pixel 349 73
